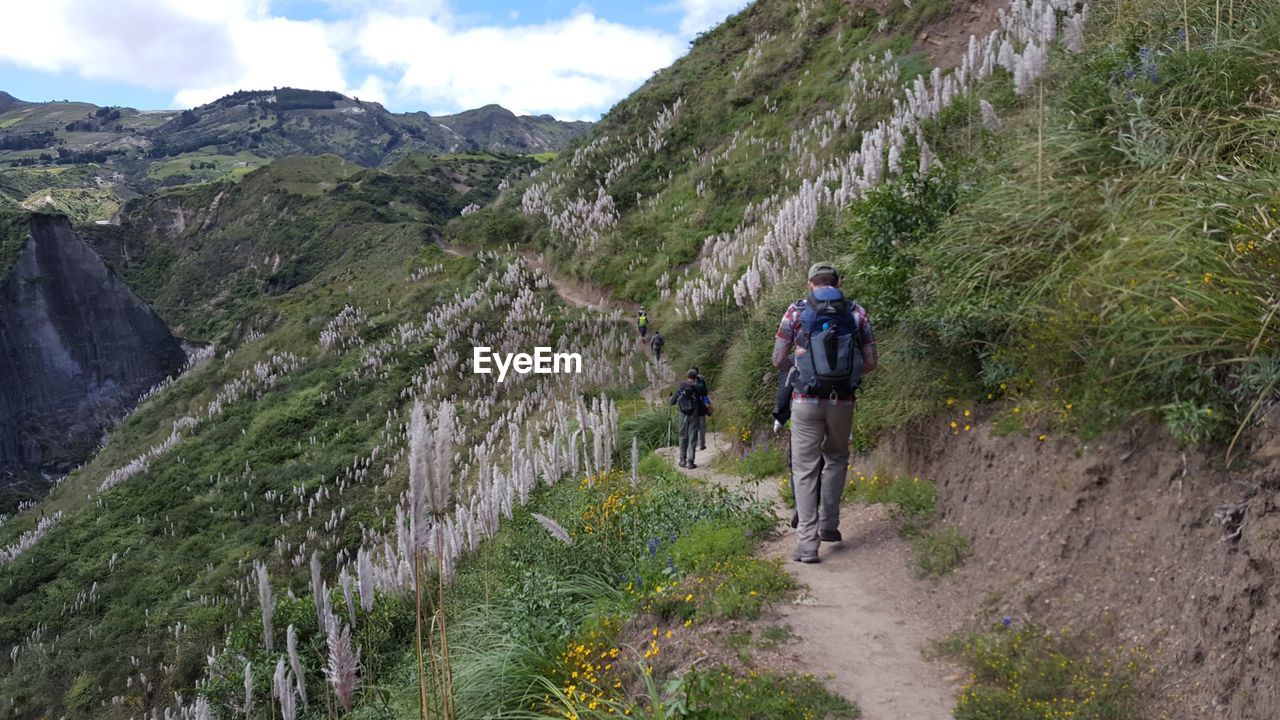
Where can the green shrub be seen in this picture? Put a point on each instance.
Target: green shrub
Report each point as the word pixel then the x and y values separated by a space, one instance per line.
pixel 722 694
pixel 1192 424
pixel 877 251
pixel 1029 674
pixel 939 552
pixel 708 543
pixel 649 428
pixel 913 498
pixel 760 463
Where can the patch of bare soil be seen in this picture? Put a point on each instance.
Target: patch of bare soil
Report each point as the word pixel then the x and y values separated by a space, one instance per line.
pixel 946 41
pixel 860 621
pixel 1128 538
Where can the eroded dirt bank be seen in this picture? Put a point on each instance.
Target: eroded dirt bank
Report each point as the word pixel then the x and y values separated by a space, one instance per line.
pixel 1128 538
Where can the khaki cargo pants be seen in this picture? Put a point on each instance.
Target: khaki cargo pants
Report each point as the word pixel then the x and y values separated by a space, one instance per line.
pixel 819 467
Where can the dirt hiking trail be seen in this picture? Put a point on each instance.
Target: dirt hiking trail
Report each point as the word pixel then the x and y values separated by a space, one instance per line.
pixel 858 621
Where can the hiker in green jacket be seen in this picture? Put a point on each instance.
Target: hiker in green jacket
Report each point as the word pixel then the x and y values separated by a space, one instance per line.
pixel 829 341
pixel 642 322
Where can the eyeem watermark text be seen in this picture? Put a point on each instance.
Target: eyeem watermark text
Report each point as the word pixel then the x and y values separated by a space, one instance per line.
pixel 542 362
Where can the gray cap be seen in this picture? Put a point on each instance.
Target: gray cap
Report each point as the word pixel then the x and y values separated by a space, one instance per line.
pixel 822 268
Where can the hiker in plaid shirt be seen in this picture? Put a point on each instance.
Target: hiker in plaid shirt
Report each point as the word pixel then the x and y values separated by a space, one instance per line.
pixel 820 427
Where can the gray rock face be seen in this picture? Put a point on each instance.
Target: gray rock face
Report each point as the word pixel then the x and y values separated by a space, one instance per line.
pixel 77 349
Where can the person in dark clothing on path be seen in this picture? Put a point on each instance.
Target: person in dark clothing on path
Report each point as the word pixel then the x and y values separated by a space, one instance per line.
pixel 781 416
pixel 704 410
pixel 656 343
pixel 688 400
pixel 828 339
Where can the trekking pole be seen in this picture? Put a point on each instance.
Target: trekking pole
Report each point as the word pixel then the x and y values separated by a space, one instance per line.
pixel 668 426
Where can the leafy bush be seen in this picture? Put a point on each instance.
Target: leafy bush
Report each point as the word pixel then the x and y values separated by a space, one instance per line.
pixel 1029 674
pixel 649 428
pixel 708 543
pixel 1192 424
pixel 938 553
pixel 913 498
pixel 721 694
pixel 878 253
pixel 760 463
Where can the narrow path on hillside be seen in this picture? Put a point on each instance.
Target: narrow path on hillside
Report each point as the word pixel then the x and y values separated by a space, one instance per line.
pixel 857 620
pixel 578 293
pixel 573 292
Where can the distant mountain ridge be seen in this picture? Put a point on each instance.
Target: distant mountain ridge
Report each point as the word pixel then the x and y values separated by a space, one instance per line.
pixel 135 151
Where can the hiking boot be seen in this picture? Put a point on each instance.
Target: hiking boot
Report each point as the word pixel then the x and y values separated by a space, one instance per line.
pixel 830 536
pixel 692 466
pixel 805 557
pixel 703 447
pixel 684 464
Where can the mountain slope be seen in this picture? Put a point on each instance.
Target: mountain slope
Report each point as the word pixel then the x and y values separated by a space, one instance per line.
pixel 8 102
pixel 332 310
pixel 1071 232
pixel 134 152
pixel 496 128
pixel 987 256
pixel 265 124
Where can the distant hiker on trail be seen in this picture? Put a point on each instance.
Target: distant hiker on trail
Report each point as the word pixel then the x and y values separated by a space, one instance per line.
pixel 642 322
pixel 704 409
pixel 656 343
pixel 834 347
pixel 688 399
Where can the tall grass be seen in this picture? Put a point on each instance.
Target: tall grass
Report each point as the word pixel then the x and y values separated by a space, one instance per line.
pixel 1142 271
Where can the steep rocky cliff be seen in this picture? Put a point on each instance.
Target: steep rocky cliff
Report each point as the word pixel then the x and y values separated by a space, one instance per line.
pixel 77 349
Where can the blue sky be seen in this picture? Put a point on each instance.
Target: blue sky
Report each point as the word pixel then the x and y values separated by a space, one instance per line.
pixel 570 59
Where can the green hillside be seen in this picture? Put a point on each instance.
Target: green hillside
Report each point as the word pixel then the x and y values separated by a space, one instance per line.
pixel 315 358
pixel 1067 236
pixel 131 152
pixel 1113 296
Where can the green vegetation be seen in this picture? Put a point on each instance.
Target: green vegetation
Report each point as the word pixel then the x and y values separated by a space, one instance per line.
pixel 720 694
pixel 13 235
pixel 126 152
pixel 197 167
pixel 912 498
pixel 939 552
pixel 938 548
pixel 1052 268
pixel 582 630
pixel 650 429
pixel 82 205
pixel 760 463
pixel 1026 673
pixel 288 235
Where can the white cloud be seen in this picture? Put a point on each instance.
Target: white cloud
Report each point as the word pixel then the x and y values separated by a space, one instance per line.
pixel 701 15
pixel 373 89
pixel 570 68
pixel 274 52
pixel 413 53
pixel 199 51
